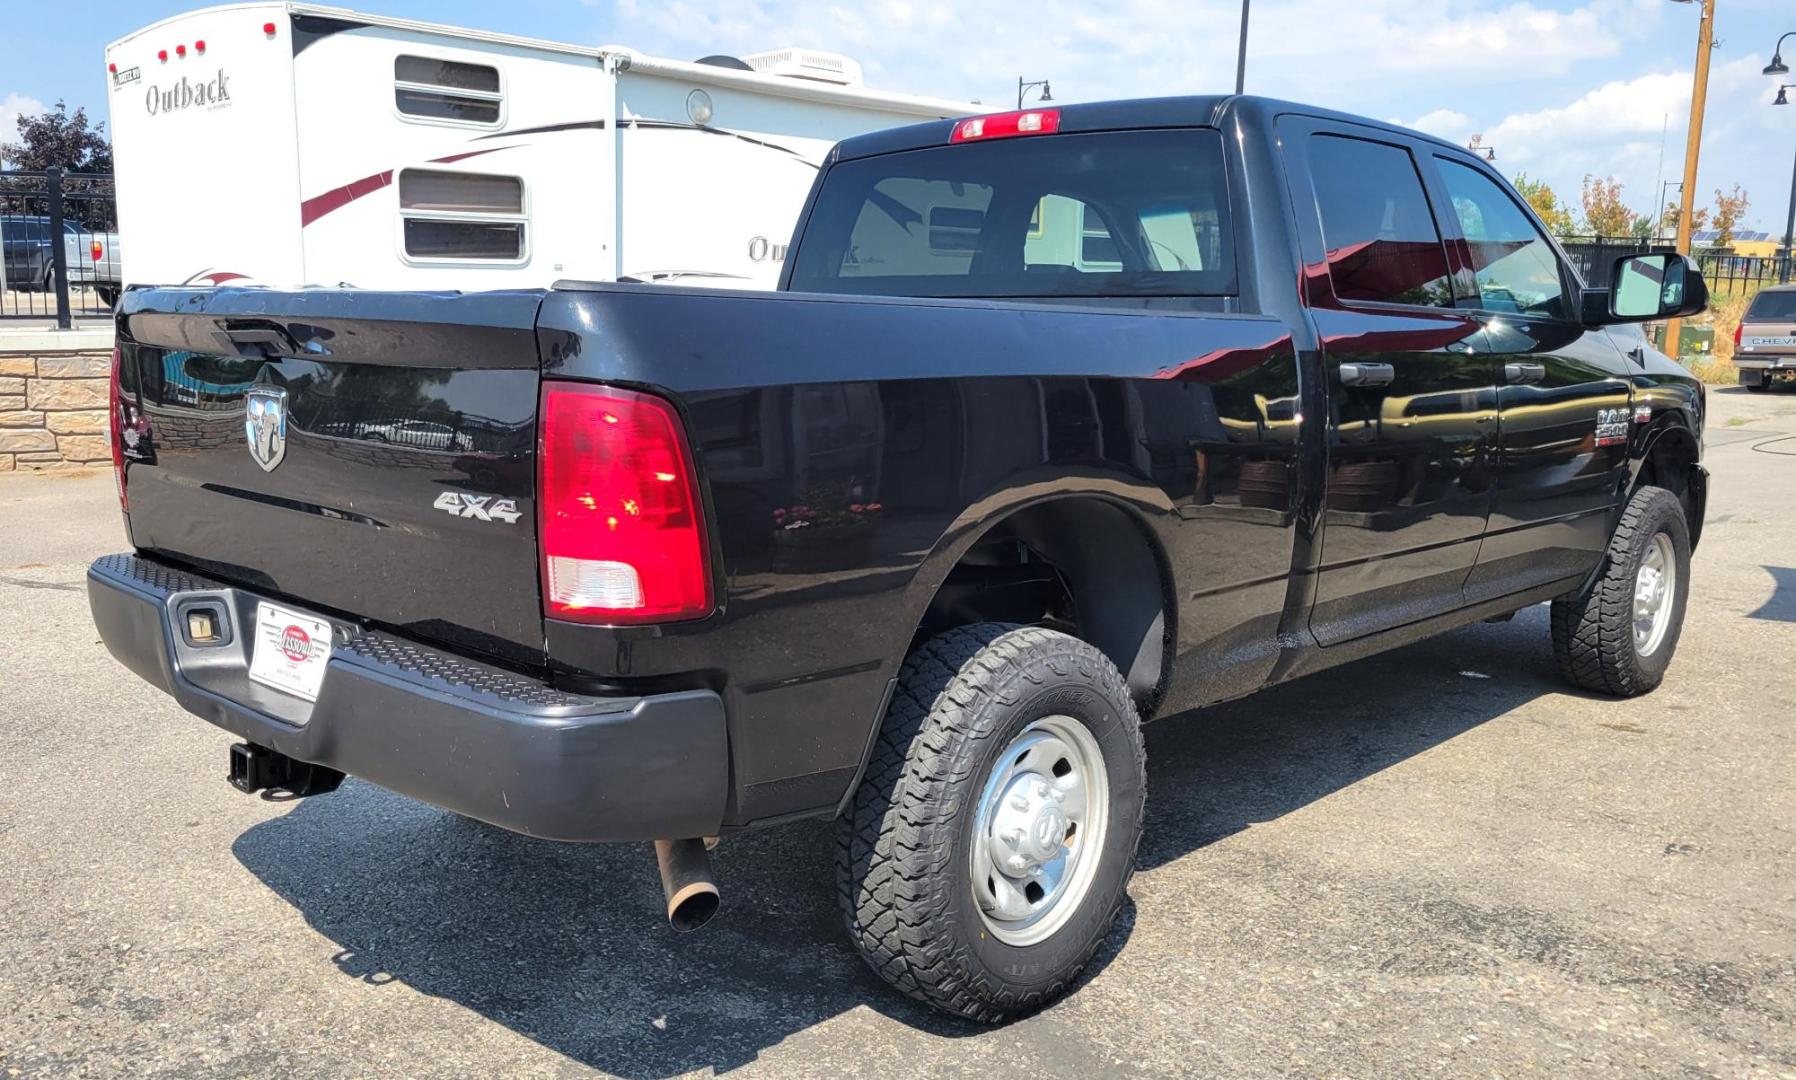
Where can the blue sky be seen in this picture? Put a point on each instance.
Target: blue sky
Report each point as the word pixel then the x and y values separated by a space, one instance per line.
pixel 1561 88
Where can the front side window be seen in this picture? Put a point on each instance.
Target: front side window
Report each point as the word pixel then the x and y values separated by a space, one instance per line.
pixel 1381 240
pixel 447 90
pixel 1136 213
pixel 1517 271
pixel 450 215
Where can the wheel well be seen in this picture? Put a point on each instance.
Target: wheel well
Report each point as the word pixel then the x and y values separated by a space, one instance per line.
pixel 1670 463
pixel 1083 566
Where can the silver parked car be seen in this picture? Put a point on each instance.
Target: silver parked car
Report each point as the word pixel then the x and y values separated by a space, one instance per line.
pixel 1765 343
pixel 93 256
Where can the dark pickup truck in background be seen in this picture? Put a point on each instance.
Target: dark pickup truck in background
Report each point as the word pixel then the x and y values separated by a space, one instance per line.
pixel 1063 419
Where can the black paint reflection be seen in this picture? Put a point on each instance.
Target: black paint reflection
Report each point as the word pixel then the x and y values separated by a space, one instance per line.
pixel 1412 465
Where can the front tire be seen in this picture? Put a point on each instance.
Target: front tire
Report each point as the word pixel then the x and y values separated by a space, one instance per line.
pixel 1618 636
pixel 986 853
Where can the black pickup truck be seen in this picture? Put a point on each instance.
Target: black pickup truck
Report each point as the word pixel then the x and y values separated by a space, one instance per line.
pixel 1061 420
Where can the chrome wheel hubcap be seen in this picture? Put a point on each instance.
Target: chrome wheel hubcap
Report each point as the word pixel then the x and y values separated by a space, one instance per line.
pixel 1039 830
pixel 1655 587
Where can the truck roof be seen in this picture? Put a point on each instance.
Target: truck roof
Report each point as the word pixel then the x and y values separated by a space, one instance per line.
pixel 1204 110
pixel 630 59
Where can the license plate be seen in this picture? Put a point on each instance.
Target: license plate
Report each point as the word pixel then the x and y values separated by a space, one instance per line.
pixel 291 651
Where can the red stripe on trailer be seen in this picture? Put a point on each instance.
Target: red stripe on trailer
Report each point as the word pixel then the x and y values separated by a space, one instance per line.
pixel 319 205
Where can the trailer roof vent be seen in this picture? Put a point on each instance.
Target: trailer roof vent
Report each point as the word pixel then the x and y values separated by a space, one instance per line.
pixel 722 61
pixel 813 64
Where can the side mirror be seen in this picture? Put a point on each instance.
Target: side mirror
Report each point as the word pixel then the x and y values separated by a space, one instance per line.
pixel 1657 286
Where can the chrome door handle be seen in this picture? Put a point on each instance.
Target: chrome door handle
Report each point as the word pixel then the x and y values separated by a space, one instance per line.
pixel 1366 374
pixel 1524 373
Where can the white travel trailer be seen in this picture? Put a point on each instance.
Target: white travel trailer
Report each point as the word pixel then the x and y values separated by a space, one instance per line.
pixel 288 144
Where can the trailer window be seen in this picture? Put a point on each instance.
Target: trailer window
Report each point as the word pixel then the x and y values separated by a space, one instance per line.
pixel 1135 213
pixel 448 91
pixel 451 215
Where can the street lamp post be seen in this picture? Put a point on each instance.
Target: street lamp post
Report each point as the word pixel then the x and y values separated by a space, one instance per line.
pixel 1775 68
pixel 1023 87
pixel 1665 187
pixel 1699 92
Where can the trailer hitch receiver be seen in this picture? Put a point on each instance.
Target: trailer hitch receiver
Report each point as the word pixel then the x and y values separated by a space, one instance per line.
pixel 257 768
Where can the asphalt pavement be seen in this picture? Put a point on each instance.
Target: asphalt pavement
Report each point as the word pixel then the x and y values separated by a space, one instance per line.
pixel 1438 861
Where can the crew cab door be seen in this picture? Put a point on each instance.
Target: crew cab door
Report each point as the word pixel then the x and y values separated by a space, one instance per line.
pixel 1564 402
pixel 1412 395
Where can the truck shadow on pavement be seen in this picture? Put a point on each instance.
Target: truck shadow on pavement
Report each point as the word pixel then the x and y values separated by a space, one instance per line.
pixel 567 945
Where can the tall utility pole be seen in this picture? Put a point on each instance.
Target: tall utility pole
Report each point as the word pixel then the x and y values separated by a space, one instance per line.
pixel 1699 94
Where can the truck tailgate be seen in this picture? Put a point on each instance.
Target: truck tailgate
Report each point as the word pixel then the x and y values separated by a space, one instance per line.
pixel 371 454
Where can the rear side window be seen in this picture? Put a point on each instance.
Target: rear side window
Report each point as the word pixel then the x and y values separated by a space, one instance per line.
pixel 1138 213
pixel 450 215
pixel 450 91
pixel 1381 239
pixel 1517 272
pixel 1773 305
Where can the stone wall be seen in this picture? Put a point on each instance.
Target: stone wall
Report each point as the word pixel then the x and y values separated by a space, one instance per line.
pixel 53 400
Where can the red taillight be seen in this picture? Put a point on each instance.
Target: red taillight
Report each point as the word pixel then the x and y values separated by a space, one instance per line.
pixel 1007 125
pixel 98 251
pixel 116 406
pixel 1737 328
pixel 621 527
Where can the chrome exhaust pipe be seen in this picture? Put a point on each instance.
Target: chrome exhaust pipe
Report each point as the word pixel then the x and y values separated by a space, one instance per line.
pixel 686 882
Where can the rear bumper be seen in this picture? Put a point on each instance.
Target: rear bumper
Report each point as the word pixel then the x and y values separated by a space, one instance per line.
pixel 1787 361
pixel 475 739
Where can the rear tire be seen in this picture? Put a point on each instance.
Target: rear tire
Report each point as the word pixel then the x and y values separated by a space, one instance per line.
pixel 1618 636
pixel 1029 716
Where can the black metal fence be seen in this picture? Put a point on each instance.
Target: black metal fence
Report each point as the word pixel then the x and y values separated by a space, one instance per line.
pixel 1595 258
pixel 59 241
pixel 1738 273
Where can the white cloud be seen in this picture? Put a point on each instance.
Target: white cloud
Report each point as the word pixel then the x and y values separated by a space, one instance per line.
pixel 1132 48
pixel 1446 124
pixel 1623 127
pixel 13 106
pixel 1561 88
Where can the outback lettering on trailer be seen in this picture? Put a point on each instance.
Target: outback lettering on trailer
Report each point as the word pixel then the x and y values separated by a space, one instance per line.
pixel 211 93
pixel 761 249
pixel 478 507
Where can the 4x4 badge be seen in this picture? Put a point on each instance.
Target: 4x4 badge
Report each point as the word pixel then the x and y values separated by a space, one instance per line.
pixel 478 507
pixel 265 423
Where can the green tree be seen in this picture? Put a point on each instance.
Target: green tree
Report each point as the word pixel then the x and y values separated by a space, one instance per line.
pixel 1668 222
pixel 1604 212
pixel 1729 209
pixel 1546 203
pixel 58 140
